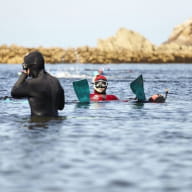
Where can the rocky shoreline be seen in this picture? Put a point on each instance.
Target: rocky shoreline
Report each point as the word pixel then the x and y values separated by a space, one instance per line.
pixel 163 54
pixel 126 46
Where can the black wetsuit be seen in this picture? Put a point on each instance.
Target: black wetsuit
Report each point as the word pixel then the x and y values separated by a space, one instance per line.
pixel 44 93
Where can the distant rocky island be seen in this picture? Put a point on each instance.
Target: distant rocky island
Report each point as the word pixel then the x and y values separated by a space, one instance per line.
pixel 126 46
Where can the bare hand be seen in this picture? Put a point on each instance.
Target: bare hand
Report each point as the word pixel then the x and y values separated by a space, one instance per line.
pixel 26 71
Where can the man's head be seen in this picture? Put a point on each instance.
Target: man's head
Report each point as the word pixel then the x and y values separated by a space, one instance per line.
pixel 100 84
pixel 157 98
pixel 34 61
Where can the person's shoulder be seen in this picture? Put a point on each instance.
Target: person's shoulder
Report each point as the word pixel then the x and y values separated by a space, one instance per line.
pixel 111 97
pixel 48 75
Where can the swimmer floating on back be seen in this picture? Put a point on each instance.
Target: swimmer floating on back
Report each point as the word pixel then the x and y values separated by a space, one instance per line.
pixel 100 84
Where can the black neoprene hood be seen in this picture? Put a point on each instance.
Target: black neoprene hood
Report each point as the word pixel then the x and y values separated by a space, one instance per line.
pixel 35 62
pixel 34 59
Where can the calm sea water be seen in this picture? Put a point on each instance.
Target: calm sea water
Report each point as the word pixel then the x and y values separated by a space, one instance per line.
pixel 100 147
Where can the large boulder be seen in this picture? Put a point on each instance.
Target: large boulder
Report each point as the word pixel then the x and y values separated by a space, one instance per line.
pixel 125 39
pixel 181 34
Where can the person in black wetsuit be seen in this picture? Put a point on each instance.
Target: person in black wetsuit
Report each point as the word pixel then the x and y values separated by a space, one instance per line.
pixel 44 92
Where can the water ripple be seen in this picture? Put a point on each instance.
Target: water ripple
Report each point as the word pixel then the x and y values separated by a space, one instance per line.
pixel 99 147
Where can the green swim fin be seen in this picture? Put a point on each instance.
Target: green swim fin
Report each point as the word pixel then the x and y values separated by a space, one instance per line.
pixel 138 88
pixel 82 91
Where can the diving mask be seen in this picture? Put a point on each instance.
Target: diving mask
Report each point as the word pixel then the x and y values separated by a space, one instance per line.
pixel 100 84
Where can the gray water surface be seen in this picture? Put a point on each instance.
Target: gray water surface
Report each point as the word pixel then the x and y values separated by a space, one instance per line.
pixel 100 147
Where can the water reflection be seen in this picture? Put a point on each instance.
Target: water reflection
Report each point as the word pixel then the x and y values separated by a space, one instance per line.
pixel 44 122
pixel 93 105
pixel 137 105
pixel 99 105
pixel 82 105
